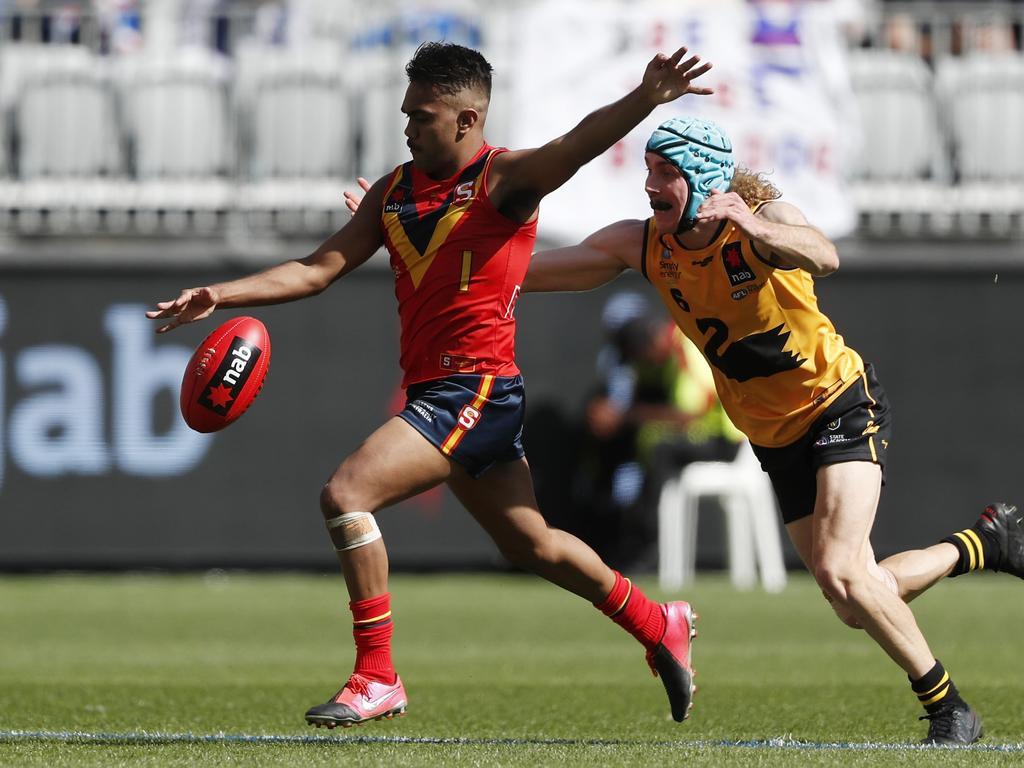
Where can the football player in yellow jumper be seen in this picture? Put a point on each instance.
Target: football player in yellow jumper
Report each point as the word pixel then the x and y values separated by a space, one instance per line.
pixel 735 267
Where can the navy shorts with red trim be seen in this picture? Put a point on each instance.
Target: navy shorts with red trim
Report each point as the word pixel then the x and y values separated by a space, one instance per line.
pixel 857 426
pixel 477 420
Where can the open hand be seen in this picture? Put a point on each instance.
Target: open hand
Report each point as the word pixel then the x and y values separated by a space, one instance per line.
pixel 669 77
pixel 729 205
pixel 193 304
pixel 352 200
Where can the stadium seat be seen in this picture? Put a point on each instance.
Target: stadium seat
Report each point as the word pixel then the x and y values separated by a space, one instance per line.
pixel 293 106
pixel 748 500
pixel 4 142
pixel 66 125
pixel 7 185
pixel 177 119
pixel 982 98
pixel 898 122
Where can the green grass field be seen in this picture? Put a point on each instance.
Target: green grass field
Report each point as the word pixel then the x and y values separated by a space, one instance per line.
pixel 501 670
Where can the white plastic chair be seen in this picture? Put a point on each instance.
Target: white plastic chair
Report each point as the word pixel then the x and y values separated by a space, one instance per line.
pixel 746 495
pixel 299 145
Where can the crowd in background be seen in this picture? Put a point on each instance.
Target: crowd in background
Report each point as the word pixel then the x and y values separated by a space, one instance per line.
pixel 291 92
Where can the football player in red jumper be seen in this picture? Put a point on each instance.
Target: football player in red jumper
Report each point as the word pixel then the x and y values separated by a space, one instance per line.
pixel 459 222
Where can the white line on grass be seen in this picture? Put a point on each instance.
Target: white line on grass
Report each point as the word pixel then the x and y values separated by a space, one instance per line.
pixel 144 737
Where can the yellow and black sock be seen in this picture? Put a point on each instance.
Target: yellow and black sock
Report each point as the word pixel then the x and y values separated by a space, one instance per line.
pixel 977 547
pixel 936 689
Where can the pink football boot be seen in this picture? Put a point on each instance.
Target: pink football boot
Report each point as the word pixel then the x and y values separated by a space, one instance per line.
pixel 670 660
pixel 360 700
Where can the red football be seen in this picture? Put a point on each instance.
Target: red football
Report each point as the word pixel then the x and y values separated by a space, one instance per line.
pixel 225 374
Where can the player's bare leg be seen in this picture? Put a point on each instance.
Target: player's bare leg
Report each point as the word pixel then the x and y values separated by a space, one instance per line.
pixel 994 543
pixel 834 543
pixel 394 463
pixel 906 574
pixel 865 595
pixel 503 502
pixel 801 533
pixel 917 570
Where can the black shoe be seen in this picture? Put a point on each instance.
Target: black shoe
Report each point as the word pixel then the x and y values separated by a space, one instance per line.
pixel 1007 525
pixel 954 724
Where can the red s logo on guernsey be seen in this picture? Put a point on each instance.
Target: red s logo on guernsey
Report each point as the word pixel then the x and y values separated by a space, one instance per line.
pixel 468 417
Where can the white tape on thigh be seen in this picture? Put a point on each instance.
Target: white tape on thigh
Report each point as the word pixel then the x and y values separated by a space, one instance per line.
pixel 353 529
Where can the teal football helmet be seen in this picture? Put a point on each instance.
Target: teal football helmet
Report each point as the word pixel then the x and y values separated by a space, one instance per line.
pixel 702 153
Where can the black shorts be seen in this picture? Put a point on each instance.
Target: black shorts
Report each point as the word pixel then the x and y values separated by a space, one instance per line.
pixel 855 427
pixel 477 420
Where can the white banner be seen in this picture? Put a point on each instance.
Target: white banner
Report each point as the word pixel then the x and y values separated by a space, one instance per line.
pixel 781 94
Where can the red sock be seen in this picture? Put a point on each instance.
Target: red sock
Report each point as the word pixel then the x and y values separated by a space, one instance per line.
pixel 371 628
pixel 632 610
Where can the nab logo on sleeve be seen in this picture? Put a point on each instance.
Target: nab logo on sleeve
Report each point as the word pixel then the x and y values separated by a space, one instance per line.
pixel 736 266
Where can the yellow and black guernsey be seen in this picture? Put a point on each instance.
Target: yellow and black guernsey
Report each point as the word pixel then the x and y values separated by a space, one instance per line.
pixel 777 360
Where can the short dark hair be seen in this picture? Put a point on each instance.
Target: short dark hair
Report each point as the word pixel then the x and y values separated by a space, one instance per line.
pixel 449 68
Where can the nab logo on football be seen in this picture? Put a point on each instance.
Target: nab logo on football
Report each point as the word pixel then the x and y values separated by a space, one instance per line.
pixel 231 376
pixel 225 374
pixel 736 266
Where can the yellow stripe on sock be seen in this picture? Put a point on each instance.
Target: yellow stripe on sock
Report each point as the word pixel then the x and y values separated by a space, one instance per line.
pixel 375 618
pixel 629 591
pixel 937 697
pixel 981 550
pixel 930 691
pixel 970 548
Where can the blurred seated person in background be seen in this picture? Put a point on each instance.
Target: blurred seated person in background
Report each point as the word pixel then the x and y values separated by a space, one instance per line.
pixel 655 412
pixel 910 33
pixel 991 34
pixel 901 32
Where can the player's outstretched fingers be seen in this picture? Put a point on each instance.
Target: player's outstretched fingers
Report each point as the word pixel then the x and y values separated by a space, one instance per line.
pixel 701 70
pixel 676 57
pixel 171 306
pixel 688 65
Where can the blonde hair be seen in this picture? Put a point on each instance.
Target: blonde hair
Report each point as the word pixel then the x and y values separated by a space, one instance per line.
pixel 753 187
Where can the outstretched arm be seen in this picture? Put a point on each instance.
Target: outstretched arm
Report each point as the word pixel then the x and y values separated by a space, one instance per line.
pixel 519 180
pixel 781 227
pixel 342 252
pixel 599 259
